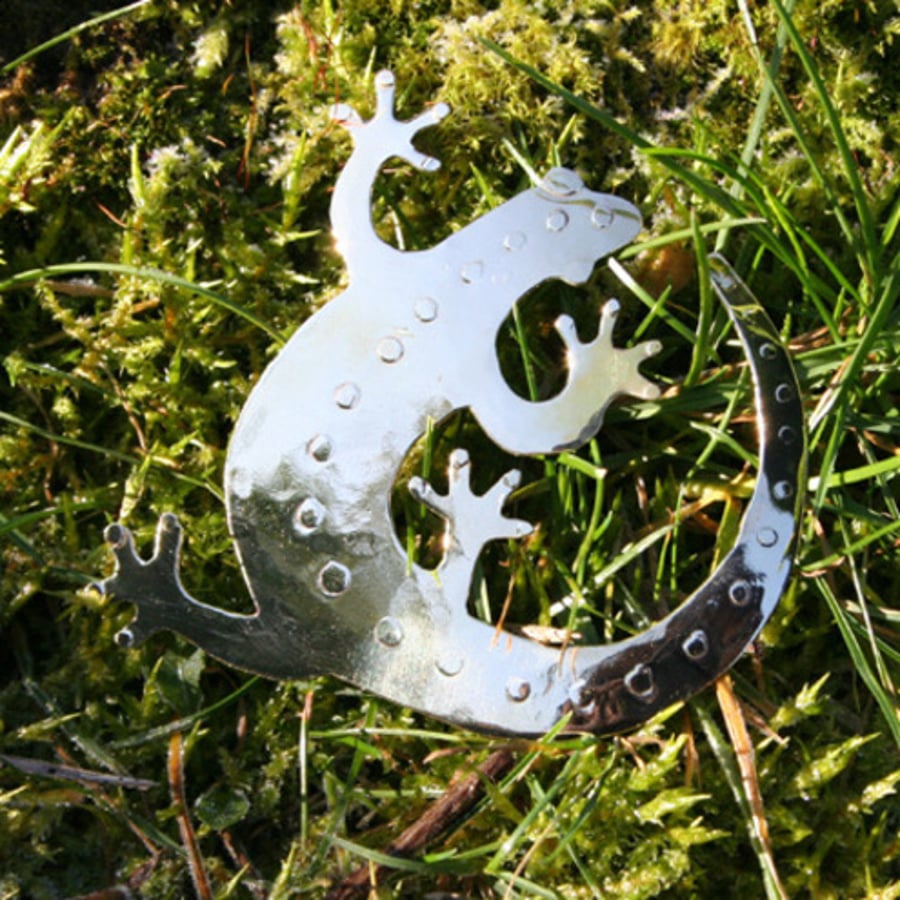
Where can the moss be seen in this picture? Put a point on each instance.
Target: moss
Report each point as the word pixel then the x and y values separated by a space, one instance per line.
pixel 195 139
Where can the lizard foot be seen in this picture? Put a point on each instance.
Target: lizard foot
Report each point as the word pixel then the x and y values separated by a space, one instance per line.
pixel 153 585
pixel 599 362
pixel 384 135
pixel 598 372
pixel 472 520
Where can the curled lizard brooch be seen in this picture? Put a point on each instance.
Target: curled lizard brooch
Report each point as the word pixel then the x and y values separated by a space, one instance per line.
pixel 318 446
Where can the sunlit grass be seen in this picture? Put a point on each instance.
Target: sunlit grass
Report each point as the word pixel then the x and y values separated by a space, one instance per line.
pixel 162 232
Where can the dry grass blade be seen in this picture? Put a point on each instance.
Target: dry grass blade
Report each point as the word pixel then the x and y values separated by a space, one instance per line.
pixel 185 827
pixel 746 759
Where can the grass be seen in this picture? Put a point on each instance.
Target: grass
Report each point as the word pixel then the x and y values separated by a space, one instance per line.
pixel 164 181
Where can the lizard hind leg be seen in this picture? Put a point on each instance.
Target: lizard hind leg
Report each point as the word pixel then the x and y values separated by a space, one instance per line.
pixel 472 520
pixel 252 642
pixel 153 585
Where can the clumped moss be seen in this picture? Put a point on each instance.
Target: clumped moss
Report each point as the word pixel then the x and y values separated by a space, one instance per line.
pixel 194 140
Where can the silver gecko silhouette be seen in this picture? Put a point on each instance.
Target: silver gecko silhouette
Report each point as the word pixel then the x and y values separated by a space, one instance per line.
pixel 316 452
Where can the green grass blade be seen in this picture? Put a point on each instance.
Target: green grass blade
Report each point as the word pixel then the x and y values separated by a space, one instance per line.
pixel 841 403
pixel 723 753
pixel 851 549
pixel 24 279
pixel 154 459
pixel 763 101
pixel 703 337
pixel 885 703
pixel 72 32
pixel 869 251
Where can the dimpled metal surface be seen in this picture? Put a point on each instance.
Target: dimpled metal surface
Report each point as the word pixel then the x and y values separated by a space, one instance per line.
pixel 317 449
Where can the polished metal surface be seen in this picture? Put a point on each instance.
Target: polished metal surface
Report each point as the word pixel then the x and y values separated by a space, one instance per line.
pixel 318 446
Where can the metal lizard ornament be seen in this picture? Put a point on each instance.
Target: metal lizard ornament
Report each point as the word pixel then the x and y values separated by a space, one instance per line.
pixel 318 446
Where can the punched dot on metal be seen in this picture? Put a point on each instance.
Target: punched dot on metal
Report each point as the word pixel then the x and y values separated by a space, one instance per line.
pixel 125 638
pixel 557 220
pixel 472 272
pixel 515 240
pixel 696 645
pixel 740 593
pixel 518 689
pixel 782 490
pixel 309 516
pixel 787 435
pixel 640 682
pixel 390 349
pixel 389 632
pixel 334 579
pixel 784 393
pixel 450 665
pixel 319 448
pixel 601 218
pixel 347 395
pixel 426 309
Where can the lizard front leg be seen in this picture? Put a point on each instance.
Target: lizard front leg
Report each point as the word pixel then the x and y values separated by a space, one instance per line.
pixel 374 142
pixel 598 372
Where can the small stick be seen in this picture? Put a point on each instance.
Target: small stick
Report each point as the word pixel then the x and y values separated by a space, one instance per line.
pixel 443 815
pixel 188 835
pixel 43 769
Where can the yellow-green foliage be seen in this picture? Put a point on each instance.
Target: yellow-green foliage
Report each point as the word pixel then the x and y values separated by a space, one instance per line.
pixel 164 186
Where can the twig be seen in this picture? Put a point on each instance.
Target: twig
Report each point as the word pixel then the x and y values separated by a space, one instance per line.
pixel 188 835
pixel 43 769
pixel 443 815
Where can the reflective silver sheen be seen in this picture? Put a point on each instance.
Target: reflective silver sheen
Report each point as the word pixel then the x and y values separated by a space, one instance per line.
pixel 318 447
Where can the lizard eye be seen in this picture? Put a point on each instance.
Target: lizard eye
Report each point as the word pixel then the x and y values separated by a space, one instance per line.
pixel 561 183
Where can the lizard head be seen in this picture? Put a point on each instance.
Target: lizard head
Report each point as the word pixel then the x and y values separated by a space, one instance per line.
pixel 590 225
